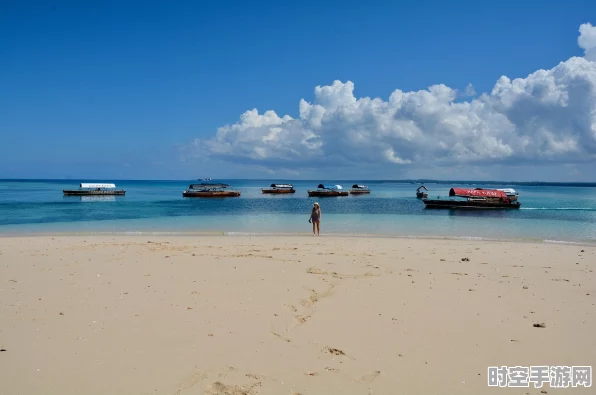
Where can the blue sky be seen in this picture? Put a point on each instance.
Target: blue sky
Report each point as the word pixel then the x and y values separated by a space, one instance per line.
pixel 119 89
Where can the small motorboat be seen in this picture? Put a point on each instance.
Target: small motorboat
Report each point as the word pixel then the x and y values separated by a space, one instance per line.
pixel 206 190
pixel 90 189
pixel 359 189
pixel 511 193
pixel 279 188
pixel 461 198
pixel 420 194
pixel 330 190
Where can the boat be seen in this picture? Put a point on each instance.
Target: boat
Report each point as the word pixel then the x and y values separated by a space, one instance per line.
pixel 359 189
pixel 209 190
pixel 330 190
pixel 91 189
pixel 511 193
pixel 420 194
pixel 478 198
pixel 279 188
pixel 205 179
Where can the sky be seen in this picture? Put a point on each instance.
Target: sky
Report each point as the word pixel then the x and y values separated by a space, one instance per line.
pixel 298 90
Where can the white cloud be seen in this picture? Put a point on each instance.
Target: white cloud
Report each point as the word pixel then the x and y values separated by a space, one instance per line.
pixel 470 91
pixel 549 116
pixel 587 40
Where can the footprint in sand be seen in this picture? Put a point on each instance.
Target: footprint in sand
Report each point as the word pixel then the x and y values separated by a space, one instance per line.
pixel 219 388
pixel 302 318
pixel 192 380
pixel 369 377
pixel 281 337
pixel 254 376
pixel 334 351
pixel 341 276
pixel 314 270
pixel 316 296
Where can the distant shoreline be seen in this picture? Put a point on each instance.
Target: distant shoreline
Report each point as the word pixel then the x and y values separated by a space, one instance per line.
pixel 354 180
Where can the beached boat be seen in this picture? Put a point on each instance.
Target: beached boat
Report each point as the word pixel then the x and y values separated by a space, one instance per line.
pixel 359 189
pixel 420 194
pixel 279 188
pixel 206 190
pixel 462 198
pixel 91 189
pixel 329 190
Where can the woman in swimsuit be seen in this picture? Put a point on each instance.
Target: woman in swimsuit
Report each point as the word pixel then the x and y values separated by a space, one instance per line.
pixel 315 218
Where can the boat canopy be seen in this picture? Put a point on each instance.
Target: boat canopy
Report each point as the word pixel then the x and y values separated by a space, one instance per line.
pixel 207 185
pixel 495 193
pixel 357 186
pixel 89 185
pixel 282 186
pixel 508 191
pixel 421 187
pixel 321 186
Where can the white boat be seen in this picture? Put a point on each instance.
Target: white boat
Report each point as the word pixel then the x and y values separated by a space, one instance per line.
pixel 90 189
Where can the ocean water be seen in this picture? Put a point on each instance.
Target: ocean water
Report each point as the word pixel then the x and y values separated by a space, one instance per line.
pixel 556 213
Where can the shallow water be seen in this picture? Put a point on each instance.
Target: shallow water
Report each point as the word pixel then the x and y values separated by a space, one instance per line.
pixel 549 212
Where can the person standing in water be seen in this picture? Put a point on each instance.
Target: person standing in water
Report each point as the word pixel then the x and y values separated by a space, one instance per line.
pixel 315 218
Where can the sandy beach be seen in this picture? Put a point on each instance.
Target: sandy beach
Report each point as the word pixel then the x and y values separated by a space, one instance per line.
pixel 287 315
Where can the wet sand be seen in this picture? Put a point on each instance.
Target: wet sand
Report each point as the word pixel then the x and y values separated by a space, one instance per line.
pixel 287 315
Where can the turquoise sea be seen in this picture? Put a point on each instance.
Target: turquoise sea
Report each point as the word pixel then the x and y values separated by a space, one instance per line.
pixel 550 212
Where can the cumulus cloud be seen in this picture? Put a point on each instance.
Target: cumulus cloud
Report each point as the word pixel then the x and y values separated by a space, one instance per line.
pixel 548 116
pixel 587 40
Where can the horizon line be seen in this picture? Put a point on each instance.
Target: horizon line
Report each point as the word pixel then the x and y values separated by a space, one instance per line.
pixel 416 180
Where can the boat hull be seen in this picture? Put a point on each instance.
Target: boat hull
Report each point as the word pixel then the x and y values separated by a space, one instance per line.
pixel 210 194
pixel 357 192
pixel 454 204
pixel 278 191
pixel 327 193
pixel 77 192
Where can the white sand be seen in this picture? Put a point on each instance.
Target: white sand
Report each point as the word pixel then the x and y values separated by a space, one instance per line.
pixel 287 315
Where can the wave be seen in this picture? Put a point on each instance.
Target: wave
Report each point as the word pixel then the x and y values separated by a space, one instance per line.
pixel 561 242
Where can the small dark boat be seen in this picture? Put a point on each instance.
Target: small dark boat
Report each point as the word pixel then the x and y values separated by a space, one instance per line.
pixel 331 190
pixel 205 190
pixel 476 199
pixel 91 189
pixel 420 194
pixel 359 189
pixel 279 188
